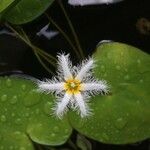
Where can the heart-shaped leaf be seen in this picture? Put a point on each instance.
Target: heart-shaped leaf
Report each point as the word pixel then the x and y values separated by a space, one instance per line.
pixel 123 116
pixel 26 114
pixel 27 10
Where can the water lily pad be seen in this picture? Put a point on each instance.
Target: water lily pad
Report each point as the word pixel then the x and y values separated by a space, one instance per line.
pixel 25 116
pixel 122 116
pixel 27 10
pixel 4 4
pixel 20 141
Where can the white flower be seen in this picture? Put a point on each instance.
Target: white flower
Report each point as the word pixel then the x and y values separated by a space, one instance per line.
pixel 73 86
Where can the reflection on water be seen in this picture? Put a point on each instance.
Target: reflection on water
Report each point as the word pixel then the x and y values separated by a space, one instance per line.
pixel 91 2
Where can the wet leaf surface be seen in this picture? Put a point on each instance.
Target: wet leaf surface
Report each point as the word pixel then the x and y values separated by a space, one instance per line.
pixel 122 116
pixel 26 114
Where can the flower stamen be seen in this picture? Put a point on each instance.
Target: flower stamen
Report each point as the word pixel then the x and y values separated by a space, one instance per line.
pixel 72 86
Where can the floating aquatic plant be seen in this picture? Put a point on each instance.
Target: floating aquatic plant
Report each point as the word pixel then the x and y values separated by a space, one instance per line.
pixel 121 117
pixel 73 86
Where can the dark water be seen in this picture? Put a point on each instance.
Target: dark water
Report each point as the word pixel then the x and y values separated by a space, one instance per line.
pixel 92 24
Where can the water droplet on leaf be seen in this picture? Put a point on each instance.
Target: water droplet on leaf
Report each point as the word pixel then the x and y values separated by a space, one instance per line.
pixel 141 81
pixel 102 68
pixel 18 121
pixel 105 75
pixel 37 111
pixel 109 56
pixel 13 114
pixel 1 137
pixel 22 148
pixel 14 99
pixel 56 129
pixel 138 61
pixel 17 133
pixel 105 136
pixel 118 67
pixel 66 131
pixel 11 147
pixel 126 70
pixel 3 97
pixel 120 123
pixel 121 53
pixel 126 77
pixel 27 114
pixel 23 87
pixel 53 135
pixel 1 147
pixel 47 108
pixel 3 118
pixel 31 99
pixel 8 82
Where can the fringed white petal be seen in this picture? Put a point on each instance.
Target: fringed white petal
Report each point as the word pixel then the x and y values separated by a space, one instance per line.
pixel 64 66
pixel 85 68
pixel 46 86
pixel 99 86
pixel 81 104
pixel 62 105
pixel 78 101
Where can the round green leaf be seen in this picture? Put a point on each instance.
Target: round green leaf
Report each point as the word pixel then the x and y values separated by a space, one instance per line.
pixel 122 116
pixel 26 112
pixel 15 141
pixel 27 10
pixel 4 4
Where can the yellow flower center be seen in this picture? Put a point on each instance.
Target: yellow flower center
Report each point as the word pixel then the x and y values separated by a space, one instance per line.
pixel 72 86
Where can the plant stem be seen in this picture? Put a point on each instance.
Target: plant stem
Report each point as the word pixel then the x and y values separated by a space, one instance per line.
pixel 42 63
pixel 72 145
pixel 46 56
pixel 37 48
pixel 64 34
pixel 39 147
pixel 72 28
pixel 37 51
